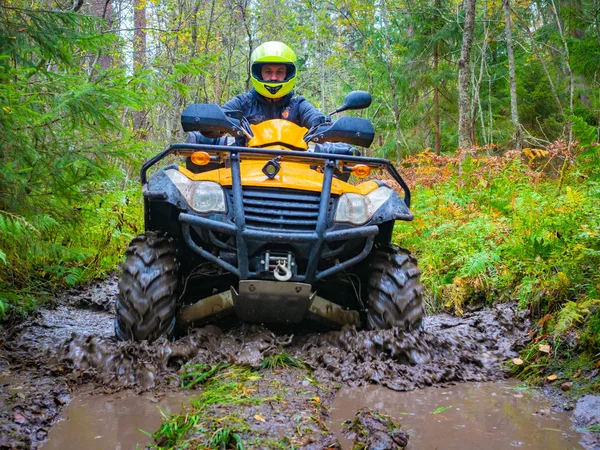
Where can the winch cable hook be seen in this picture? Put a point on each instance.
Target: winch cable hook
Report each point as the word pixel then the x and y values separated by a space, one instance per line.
pixel 281 271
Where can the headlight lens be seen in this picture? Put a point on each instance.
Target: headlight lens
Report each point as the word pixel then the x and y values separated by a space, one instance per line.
pixel 202 196
pixel 358 209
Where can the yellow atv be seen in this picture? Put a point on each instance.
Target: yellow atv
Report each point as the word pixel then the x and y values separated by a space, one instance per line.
pixel 272 232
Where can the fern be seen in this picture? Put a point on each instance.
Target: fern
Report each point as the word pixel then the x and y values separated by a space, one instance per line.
pixel 572 314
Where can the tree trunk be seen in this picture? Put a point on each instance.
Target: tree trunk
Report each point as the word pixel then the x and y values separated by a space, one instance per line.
pixel 464 72
pixel 437 139
pixel 569 125
pixel 514 112
pixel 139 57
pixel 103 9
pixel 390 67
pixel 436 103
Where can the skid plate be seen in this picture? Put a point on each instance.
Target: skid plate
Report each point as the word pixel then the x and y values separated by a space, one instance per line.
pixel 271 301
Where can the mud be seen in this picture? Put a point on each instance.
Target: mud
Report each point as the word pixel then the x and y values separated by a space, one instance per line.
pixel 587 417
pixel 494 416
pixel 114 421
pixel 61 349
pixel 375 431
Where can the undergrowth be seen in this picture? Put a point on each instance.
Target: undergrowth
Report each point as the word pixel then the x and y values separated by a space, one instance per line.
pixel 502 231
pixel 41 253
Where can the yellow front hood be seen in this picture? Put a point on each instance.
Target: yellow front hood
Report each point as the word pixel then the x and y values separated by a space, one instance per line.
pixel 293 175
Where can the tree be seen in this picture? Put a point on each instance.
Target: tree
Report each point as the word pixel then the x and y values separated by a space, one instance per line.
pixel 514 113
pixel 465 130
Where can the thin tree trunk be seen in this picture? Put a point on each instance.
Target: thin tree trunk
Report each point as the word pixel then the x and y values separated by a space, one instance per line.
pixel 482 67
pixel 514 112
pixel 139 56
pixel 436 102
pixel 388 57
pixel 569 124
pixel 464 72
pixel 437 139
pixel 567 67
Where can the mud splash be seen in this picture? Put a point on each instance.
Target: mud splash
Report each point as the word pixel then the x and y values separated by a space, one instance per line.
pixel 449 350
pixel 73 344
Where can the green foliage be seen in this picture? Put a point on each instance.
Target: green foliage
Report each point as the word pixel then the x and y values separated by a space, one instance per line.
pixel 497 237
pixel 67 204
pixel 224 437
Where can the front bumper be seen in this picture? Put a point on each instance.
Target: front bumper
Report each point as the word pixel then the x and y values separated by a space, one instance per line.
pixel 246 236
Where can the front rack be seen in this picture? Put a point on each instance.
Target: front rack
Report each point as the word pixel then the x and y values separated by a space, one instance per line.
pixel 188 149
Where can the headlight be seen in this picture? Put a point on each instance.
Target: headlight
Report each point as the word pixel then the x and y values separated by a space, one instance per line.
pixel 358 209
pixel 202 196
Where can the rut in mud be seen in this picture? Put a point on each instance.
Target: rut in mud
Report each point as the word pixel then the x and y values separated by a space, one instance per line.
pixel 45 358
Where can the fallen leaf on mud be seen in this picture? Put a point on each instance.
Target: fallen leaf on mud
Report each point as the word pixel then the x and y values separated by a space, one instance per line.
pixel 517 361
pixel 518 396
pixel 253 378
pixel 20 419
pixel 598 365
pixel 259 417
pixel 577 373
pixel 317 400
pixel 566 386
pixel 552 377
pixel 247 391
pixel 544 348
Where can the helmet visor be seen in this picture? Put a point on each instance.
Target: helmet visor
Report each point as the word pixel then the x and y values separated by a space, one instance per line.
pixel 257 71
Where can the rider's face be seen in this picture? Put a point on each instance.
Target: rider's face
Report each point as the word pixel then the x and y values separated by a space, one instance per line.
pixel 273 72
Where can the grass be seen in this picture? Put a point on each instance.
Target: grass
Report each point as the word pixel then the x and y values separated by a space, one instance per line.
pixel 223 386
pixel 282 360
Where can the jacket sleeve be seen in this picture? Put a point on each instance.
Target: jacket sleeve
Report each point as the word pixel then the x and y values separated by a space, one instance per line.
pixel 237 103
pixel 309 115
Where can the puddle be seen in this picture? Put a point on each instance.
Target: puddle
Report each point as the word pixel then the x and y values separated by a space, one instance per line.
pixel 466 416
pixel 100 422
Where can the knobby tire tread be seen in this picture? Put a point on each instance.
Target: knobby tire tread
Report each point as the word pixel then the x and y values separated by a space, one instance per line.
pixel 395 293
pixel 148 289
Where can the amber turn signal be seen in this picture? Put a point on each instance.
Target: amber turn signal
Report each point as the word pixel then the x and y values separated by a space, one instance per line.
pixel 200 158
pixel 361 171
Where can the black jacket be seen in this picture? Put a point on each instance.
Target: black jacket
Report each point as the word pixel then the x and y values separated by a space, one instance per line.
pixel 257 109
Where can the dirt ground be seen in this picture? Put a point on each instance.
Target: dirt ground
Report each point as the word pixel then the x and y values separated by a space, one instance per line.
pixel 47 358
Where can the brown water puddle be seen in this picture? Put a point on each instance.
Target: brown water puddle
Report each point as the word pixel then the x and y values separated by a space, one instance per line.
pixel 466 416
pixel 101 422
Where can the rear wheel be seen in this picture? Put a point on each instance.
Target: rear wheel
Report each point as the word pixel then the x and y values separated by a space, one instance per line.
pixel 394 291
pixel 148 288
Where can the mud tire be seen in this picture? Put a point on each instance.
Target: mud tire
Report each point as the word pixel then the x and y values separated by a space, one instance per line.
pixel 394 291
pixel 148 289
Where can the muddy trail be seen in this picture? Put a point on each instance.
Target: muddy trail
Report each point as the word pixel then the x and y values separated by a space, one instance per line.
pixel 70 347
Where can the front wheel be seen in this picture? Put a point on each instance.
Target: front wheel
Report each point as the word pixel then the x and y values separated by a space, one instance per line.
pixel 394 291
pixel 147 300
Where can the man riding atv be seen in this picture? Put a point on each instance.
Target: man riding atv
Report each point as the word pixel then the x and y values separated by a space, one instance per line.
pixel 273 231
pixel 273 74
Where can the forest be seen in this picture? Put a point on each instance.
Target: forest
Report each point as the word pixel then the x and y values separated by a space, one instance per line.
pixel 489 109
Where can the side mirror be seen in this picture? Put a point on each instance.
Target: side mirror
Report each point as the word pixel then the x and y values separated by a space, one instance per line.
pixel 355 100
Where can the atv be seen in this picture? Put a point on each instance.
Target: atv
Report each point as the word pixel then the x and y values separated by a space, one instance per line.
pixel 274 231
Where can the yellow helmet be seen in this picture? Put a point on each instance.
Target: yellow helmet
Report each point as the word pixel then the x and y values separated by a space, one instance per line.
pixel 273 52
